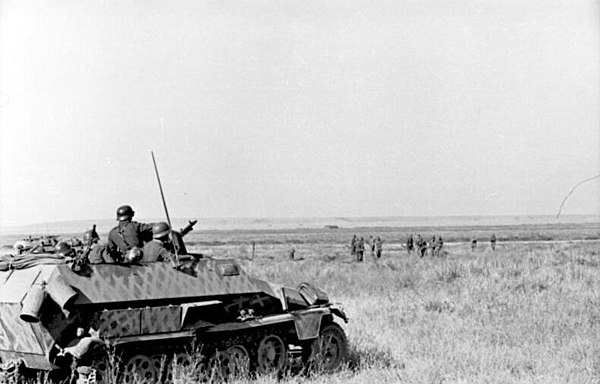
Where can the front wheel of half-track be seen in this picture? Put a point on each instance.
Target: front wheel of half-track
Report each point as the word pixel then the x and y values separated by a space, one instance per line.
pixel 329 350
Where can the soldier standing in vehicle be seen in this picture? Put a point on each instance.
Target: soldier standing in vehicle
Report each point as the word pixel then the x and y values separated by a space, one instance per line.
pixel 159 248
pixel 128 234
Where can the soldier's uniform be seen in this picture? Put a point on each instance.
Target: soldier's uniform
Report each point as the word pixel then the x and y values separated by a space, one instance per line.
pixel 378 247
pixel 93 252
pixel 155 250
pixel 98 254
pixel 360 249
pixel 410 244
pixel 440 244
pixel 432 245
pixel 473 245
pixel 493 242
pixel 421 245
pixel 128 234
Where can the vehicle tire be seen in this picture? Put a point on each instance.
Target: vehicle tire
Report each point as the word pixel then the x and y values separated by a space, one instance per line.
pixel 139 368
pixel 232 363
pixel 329 350
pixel 237 362
pixel 271 355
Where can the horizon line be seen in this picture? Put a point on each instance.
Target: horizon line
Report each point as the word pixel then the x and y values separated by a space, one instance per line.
pixel 152 219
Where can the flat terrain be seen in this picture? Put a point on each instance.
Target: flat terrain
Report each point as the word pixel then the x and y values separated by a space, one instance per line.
pixel 527 313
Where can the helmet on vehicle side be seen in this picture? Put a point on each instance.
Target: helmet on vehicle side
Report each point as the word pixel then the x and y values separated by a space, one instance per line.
pixel 63 249
pixel 124 212
pixel 38 249
pixel 160 230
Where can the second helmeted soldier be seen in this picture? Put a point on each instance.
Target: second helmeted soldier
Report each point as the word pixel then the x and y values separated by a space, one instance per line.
pixel 159 249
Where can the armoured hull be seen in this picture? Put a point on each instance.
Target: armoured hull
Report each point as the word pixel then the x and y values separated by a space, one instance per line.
pixel 51 316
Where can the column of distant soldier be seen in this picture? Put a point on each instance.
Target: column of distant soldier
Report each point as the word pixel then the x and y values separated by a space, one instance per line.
pixel 434 247
pixel 357 247
pixel 130 241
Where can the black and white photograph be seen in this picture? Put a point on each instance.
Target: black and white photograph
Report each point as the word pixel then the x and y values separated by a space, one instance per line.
pixel 299 191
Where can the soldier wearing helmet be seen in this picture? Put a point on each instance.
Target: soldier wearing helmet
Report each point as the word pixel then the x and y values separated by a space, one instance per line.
pixel 158 248
pixel 127 234
pixel 93 252
pixel 91 236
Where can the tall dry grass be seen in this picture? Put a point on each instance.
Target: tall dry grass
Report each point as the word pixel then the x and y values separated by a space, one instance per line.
pixel 527 313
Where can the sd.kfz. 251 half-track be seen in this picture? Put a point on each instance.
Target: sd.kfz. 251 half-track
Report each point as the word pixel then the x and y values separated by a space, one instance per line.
pixel 206 312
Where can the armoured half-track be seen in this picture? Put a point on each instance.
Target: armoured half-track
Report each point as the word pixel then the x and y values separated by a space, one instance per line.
pixel 110 323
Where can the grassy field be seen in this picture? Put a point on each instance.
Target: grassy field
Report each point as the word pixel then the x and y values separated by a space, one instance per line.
pixel 527 313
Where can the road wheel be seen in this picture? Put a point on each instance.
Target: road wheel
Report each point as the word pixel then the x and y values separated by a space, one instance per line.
pixel 271 355
pixel 236 362
pixel 107 369
pixel 178 368
pixel 139 368
pixel 329 350
pixel 161 366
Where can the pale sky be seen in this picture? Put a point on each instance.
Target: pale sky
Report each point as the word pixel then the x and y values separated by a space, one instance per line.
pixel 298 108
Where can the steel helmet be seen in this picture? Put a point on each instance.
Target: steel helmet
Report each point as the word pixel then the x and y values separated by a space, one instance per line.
pixel 63 249
pixel 124 212
pixel 90 236
pixel 134 254
pixel 160 230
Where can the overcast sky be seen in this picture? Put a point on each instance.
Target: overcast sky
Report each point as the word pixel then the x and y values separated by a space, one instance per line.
pixel 274 108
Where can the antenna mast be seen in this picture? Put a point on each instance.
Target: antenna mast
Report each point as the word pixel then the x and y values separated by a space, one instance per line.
pixel 162 195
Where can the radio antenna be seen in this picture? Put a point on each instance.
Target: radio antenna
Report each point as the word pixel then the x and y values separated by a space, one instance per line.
pixel 162 195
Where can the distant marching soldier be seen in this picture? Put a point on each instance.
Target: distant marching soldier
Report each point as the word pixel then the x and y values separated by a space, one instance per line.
pixel 493 242
pixel 372 243
pixel 378 247
pixel 353 246
pixel 432 246
pixel 473 245
pixel 410 244
pixel 360 249
pixel 421 245
pixel 440 244
pixel 423 248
